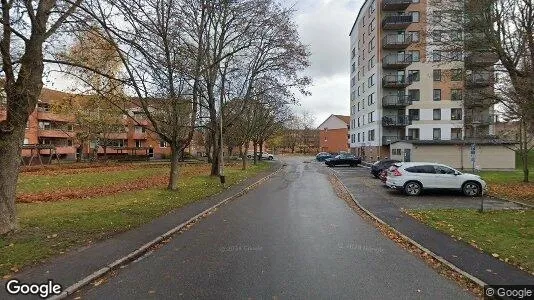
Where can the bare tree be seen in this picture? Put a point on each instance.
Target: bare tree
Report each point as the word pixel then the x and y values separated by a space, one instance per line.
pixel 27 27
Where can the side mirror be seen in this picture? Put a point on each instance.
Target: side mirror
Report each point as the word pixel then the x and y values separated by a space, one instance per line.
pixel 457 173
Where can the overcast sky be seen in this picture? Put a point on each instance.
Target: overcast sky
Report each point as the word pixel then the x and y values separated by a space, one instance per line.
pixel 324 25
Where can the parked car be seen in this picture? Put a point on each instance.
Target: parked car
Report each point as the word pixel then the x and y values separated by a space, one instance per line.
pixel 381 165
pixel 344 159
pixel 266 155
pixel 322 156
pixel 383 175
pixel 414 177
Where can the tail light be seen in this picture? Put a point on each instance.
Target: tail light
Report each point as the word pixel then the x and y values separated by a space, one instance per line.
pixel 396 172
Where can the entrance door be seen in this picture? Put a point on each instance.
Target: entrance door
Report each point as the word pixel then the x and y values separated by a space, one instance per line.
pixel 151 152
pixel 407 155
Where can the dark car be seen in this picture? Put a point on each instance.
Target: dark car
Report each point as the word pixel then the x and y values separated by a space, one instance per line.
pixel 381 165
pixel 322 156
pixel 344 159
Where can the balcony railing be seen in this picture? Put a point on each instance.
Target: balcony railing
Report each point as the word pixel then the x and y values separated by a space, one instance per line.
pixel 483 79
pixel 397 22
pixel 396 101
pixel 396 121
pixel 482 120
pixel 387 140
pixel 477 100
pixel 396 41
pixel 395 81
pixel 394 5
pixel 397 61
pixel 481 59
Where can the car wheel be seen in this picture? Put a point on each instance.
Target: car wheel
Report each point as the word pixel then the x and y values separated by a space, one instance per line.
pixel 471 189
pixel 270 158
pixel 413 188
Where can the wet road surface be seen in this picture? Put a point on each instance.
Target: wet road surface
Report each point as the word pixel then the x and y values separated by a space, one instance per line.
pixel 291 238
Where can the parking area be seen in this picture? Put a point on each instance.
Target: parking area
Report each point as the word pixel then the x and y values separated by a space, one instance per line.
pixel 368 189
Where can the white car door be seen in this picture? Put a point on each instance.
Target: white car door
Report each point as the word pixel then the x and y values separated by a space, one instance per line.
pixel 427 173
pixel 445 178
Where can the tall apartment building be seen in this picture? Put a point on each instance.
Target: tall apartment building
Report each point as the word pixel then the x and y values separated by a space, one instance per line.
pixel 404 85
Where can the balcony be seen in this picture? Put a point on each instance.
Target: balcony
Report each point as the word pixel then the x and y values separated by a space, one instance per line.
pixel 55 133
pixel 396 101
pixel 394 5
pixel 479 79
pixel 395 81
pixel 396 22
pixel 481 59
pixel 387 140
pixel 396 121
pixel 396 41
pixel 49 116
pixel 139 136
pixel 477 100
pixel 397 61
pixel 480 120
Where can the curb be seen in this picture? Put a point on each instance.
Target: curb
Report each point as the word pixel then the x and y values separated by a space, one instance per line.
pixel 146 247
pixel 414 243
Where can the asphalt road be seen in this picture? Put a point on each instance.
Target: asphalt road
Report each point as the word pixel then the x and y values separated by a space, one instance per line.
pixel 291 238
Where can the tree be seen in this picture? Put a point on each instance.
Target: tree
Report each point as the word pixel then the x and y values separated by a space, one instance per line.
pixel 27 26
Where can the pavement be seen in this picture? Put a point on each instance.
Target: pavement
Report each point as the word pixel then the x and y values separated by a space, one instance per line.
pixel 75 265
pixel 388 204
pixel 291 237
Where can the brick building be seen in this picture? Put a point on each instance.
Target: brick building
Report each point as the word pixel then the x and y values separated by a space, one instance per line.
pixel 334 134
pixel 45 127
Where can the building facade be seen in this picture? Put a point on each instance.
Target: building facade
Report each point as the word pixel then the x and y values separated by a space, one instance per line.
pixel 59 131
pixel 334 134
pixel 406 82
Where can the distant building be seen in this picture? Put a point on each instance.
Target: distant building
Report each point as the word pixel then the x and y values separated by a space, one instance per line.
pixel 334 134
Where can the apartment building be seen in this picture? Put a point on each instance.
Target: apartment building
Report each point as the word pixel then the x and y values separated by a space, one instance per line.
pixel 58 131
pixel 333 134
pixel 407 84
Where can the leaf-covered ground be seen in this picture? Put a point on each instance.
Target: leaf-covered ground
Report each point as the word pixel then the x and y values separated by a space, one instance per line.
pixel 52 228
pixel 507 235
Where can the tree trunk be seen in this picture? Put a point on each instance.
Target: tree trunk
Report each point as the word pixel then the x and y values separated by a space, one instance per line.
pixel 244 151
pixel 261 150
pixel 255 154
pixel 105 148
pixel 525 165
pixel 216 154
pixel 230 150
pixel 10 147
pixel 175 161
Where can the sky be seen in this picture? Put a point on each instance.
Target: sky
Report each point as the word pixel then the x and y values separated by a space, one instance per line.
pixel 324 26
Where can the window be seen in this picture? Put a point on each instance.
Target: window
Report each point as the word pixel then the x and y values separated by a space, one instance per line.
pixel 138 143
pixel 456 94
pixel 45 125
pixel 413 134
pixel 436 36
pixel 358 108
pixel 371 63
pixel 372 44
pixel 456 114
pixel 396 152
pixel 455 36
pixel 456 133
pixel 358 137
pixel 415 16
pixel 371 99
pixel 456 55
pixel 444 170
pixel 415 36
pixel 371 117
pixel 456 74
pixel 426 169
pixel 413 114
pixel 414 95
pixel 26 142
pixel 437 95
pixel 413 75
pixel 437 75
pixel 353 52
pixel 436 55
pixel 353 67
pixel 371 135
pixel 436 114
pixel 416 55
pixel 359 91
pixel 371 81
pixel 163 144
pixel 358 121
pixel 436 133
pixel 139 129
pixel 353 81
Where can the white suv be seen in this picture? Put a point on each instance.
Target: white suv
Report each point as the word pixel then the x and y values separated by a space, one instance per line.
pixel 413 177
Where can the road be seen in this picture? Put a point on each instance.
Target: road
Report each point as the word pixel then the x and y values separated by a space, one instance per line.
pixel 291 238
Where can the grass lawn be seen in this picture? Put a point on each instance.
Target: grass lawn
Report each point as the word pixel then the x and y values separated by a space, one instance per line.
pixel 30 184
pixel 47 229
pixel 508 235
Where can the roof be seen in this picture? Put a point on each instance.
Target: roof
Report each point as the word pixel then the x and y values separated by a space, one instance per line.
pixel 345 119
pixel 459 142
pixel 356 21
